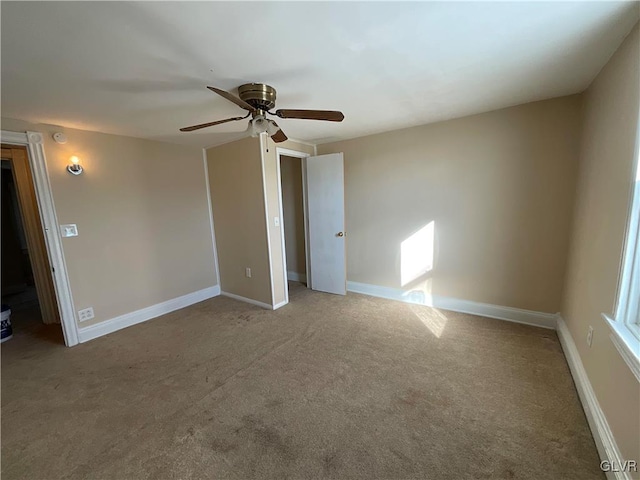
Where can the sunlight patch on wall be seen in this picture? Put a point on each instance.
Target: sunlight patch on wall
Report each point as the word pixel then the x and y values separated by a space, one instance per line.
pixel 416 254
pixel 432 318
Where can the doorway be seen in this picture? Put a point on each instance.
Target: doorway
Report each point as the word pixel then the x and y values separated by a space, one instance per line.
pixel 27 284
pixel 293 218
pixel 318 219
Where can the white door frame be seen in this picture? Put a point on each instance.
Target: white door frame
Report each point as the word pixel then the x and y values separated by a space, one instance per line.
pixel 34 141
pixel 303 159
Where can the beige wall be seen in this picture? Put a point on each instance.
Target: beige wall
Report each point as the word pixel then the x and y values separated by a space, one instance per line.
pixel 273 206
pixel 242 175
pixel 293 213
pixel 499 187
pixel 606 176
pixel 237 196
pixel 142 215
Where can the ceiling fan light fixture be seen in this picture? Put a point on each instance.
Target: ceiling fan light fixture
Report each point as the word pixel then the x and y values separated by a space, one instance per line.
pixel 272 128
pixel 259 125
pixel 258 99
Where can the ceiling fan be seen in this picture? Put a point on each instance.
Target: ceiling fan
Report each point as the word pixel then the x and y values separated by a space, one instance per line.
pixel 259 99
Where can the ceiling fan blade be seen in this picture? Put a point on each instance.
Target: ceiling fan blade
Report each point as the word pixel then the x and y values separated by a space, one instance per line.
pixel 279 136
pixel 210 124
pixel 329 115
pixel 232 98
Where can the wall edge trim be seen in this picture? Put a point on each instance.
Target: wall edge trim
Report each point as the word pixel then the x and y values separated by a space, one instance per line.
pixel 138 316
pixel 281 304
pixel 510 314
pixel 247 300
pixel 602 434
pixel 263 147
pixel 211 220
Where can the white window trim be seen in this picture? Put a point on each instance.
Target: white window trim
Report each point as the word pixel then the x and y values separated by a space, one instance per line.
pixel 626 343
pixel 625 331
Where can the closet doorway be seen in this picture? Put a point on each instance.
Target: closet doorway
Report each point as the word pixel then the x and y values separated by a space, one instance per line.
pixel 293 215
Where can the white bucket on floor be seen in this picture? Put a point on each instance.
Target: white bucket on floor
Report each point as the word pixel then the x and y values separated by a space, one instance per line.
pixel 6 331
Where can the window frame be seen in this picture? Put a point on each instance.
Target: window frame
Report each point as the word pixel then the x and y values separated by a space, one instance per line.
pixel 625 322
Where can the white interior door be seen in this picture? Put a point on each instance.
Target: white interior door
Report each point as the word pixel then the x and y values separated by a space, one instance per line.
pixel 325 217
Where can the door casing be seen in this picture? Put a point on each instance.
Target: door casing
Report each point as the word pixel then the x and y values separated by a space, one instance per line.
pixel 302 156
pixel 34 141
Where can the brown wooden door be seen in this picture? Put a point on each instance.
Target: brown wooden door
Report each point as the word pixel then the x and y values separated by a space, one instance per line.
pixel 33 231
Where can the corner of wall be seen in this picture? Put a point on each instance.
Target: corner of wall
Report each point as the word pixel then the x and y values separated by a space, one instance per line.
pixel 267 153
pixel 210 204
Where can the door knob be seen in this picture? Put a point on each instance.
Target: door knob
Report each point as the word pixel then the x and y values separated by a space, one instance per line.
pixel 340 234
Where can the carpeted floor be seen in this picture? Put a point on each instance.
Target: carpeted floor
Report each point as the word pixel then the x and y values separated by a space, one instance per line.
pixel 326 387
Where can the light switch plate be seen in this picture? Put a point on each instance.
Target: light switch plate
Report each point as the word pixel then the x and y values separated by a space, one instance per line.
pixel 70 230
pixel 276 221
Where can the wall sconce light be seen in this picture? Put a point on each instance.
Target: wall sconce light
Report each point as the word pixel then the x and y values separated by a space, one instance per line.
pixel 74 168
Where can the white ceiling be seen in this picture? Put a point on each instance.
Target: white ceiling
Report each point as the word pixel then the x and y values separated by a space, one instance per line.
pixel 140 68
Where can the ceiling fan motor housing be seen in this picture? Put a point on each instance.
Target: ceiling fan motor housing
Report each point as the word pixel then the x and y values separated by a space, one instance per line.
pixel 258 95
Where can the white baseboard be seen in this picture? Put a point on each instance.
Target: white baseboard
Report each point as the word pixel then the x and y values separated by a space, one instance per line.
pixel 296 277
pixel 518 315
pixel 247 300
pixel 281 304
pixel 605 443
pixel 128 319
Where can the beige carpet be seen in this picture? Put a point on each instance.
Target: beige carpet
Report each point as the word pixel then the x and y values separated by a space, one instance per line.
pixel 326 387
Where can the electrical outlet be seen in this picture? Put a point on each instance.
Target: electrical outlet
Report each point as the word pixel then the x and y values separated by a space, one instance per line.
pixel 247 272
pixel 86 314
pixel 70 230
pixel 590 335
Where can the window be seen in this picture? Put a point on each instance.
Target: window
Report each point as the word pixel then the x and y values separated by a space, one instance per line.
pixel 626 322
